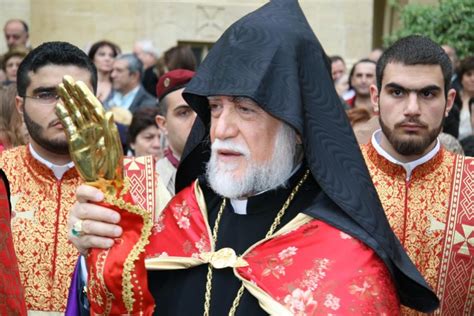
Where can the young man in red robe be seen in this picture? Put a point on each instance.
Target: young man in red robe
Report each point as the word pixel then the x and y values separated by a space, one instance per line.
pixel 42 178
pixel 284 220
pixel 427 192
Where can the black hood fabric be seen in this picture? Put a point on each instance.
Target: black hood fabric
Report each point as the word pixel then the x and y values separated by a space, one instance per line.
pixel 272 56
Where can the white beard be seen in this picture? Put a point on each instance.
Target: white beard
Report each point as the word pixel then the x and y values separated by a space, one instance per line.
pixel 256 178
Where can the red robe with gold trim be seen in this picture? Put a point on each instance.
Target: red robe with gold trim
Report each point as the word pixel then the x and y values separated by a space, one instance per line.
pixel 432 214
pixel 12 296
pixel 307 267
pixel 41 204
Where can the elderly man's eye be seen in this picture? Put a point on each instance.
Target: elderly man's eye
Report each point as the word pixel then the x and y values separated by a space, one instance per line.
pixel 212 106
pixel 245 109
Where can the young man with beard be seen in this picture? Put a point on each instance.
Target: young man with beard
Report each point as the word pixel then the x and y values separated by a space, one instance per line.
pixel 42 178
pixel 285 220
pixel 426 191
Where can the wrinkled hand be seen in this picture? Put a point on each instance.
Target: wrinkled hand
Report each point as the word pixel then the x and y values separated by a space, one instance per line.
pixel 93 138
pixel 100 224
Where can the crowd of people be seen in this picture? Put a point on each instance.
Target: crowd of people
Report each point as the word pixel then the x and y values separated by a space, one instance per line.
pixel 354 91
pixel 281 182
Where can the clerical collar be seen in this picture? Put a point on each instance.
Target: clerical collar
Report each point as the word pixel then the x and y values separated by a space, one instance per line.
pixel 408 166
pixel 240 206
pixel 58 171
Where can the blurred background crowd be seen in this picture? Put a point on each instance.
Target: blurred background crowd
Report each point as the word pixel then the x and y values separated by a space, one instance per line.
pixel 128 75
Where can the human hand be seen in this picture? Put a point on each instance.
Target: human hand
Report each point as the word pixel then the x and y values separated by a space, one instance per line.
pixel 94 142
pixel 99 224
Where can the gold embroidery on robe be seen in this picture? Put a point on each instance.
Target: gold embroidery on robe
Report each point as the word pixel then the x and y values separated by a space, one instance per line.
pixel 41 204
pixel 433 216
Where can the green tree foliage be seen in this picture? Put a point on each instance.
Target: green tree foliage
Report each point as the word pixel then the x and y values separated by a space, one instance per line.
pixel 451 22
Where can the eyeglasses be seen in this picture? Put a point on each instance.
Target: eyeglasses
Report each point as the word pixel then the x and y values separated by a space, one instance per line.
pixel 45 97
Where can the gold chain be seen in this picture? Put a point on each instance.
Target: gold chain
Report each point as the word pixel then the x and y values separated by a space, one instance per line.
pixel 273 227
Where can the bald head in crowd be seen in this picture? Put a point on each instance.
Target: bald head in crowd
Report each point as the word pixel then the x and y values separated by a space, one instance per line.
pixel 16 34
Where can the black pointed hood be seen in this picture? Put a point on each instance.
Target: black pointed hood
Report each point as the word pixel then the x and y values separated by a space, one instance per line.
pixel 272 56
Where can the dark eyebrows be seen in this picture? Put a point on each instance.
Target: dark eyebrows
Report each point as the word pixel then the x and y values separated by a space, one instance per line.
pixel 431 88
pixel 182 106
pixel 396 86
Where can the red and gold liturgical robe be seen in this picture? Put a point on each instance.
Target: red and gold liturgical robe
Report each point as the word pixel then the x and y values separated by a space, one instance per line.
pixel 41 204
pixel 305 268
pixel 432 213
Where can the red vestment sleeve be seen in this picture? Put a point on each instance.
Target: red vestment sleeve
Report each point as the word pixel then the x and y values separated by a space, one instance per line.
pixel 12 297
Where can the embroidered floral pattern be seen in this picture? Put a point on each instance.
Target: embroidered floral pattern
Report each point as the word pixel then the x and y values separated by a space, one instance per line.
pixel 159 226
pixel 275 265
pixel 181 214
pixel 298 301
pixel 312 277
pixel 203 244
pixel 287 253
pixel 332 302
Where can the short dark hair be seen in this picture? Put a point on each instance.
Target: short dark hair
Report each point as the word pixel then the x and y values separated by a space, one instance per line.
pixel 53 53
pixel 180 57
pixel 416 50
pixel 142 118
pixel 360 61
pixel 467 64
pixel 162 107
pixel 335 58
pixel 95 47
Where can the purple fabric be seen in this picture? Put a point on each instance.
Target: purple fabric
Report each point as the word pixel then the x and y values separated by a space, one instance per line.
pixel 73 303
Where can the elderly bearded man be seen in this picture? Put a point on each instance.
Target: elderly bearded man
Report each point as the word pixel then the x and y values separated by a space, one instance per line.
pixel 286 220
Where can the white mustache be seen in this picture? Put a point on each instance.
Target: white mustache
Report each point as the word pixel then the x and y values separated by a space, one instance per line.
pixel 231 146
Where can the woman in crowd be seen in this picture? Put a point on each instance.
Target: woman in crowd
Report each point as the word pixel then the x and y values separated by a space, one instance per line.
pixel 12 129
pixel 144 137
pixel 11 62
pixel 177 57
pixel 103 53
pixel 466 76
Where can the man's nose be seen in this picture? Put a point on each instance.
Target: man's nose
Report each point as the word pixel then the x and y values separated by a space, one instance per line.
pixel 412 107
pixel 225 125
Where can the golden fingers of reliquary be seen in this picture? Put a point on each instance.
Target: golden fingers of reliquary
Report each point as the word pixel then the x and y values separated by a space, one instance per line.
pixel 93 138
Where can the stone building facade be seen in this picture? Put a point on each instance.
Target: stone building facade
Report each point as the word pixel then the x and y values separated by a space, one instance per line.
pixel 350 28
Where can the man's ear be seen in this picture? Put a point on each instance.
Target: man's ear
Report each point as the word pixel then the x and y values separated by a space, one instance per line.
pixel 374 97
pixel 161 122
pixel 449 101
pixel 19 103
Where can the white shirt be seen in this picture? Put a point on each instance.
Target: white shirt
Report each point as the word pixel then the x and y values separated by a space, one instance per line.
pixel 408 166
pixel 58 170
